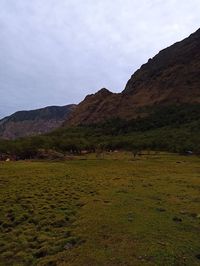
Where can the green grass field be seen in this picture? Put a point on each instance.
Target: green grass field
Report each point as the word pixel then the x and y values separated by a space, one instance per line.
pixel 106 211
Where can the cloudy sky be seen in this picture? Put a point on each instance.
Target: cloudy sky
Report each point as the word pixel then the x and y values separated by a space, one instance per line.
pixel 54 52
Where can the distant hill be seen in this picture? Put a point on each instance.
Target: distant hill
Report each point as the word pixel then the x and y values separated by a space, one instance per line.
pixel 171 77
pixel 34 122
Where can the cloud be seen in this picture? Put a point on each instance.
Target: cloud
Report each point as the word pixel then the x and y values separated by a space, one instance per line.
pixel 56 52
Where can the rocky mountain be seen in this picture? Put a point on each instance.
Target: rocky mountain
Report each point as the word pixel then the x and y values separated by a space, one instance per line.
pixel 27 123
pixel 171 77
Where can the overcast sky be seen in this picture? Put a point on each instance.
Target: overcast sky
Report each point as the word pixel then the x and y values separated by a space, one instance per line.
pixel 55 52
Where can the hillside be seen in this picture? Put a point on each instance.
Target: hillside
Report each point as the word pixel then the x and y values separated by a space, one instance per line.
pixel 171 77
pixel 178 131
pixel 159 109
pixel 39 121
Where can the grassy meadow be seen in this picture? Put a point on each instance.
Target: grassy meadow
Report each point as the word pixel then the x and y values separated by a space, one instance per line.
pixel 108 211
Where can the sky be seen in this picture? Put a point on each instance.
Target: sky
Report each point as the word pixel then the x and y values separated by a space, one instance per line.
pixel 55 52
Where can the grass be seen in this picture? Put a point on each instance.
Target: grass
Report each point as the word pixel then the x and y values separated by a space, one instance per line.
pixel 101 211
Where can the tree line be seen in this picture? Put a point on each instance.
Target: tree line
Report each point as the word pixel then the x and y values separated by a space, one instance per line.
pixel 170 128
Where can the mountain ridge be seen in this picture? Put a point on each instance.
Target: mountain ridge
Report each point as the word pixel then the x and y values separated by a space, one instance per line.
pixel 170 77
pixel 34 122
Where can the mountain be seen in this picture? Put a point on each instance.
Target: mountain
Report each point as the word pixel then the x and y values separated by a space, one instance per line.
pixel 171 77
pixel 159 109
pixel 34 122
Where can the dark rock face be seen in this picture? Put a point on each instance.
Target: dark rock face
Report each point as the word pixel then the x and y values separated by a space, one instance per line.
pixel 171 77
pixel 28 123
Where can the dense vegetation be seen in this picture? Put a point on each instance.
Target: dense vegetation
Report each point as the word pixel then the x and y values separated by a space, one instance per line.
pixel 171 128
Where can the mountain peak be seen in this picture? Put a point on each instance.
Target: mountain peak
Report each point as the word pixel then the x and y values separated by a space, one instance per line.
pixel 103 91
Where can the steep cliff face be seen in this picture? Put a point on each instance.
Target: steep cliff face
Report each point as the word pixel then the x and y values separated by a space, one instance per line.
pixel 28 123
pixel 171 77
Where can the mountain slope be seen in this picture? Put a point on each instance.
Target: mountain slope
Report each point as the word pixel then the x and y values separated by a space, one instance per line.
pixel 95 108
pixel 171 77
pixel 26 123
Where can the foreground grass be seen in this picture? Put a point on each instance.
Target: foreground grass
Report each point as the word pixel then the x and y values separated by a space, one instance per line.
pixel 111 211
